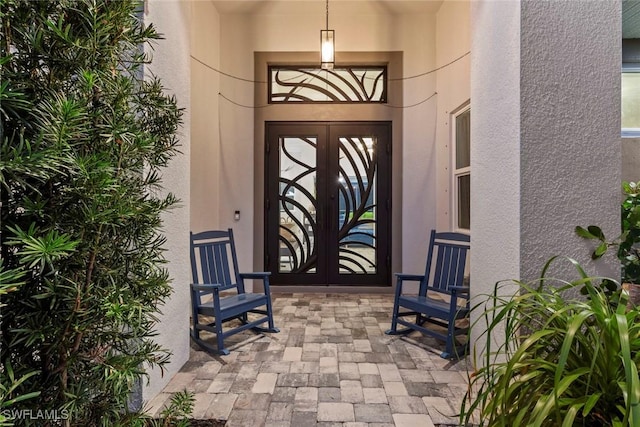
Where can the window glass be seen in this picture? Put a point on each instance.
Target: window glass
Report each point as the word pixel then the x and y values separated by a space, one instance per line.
pixel 631 100
pixel 464 202
pixel 461 180
pixel 463 140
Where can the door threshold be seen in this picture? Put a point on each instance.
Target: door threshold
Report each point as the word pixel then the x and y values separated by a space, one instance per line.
pixel 331 289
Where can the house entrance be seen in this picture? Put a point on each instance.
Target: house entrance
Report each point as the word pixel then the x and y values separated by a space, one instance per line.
pixel 328 203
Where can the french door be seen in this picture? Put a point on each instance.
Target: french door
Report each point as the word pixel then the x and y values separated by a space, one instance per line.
pixel 327 210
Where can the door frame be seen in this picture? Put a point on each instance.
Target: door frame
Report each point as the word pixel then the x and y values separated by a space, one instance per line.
pixel 326 112
pixel 328 163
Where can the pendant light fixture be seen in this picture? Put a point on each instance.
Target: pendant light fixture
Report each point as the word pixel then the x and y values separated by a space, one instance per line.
pixel 327 46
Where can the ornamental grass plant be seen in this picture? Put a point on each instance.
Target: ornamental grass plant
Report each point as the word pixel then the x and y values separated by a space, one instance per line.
pixel 564 362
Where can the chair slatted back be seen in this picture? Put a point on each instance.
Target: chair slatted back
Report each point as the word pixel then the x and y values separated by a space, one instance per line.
pixel 213 259
pixel 446 261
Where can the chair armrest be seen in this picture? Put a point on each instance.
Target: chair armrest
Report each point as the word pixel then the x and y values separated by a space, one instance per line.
pixel 255 275
pixel 462 292
pixel 460 289
pixel 263 275
pixel 410 277
pixel 401 278
pixel 211 287
pixel 206 286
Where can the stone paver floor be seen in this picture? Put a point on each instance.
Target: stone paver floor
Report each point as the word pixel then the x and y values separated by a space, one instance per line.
pixel 330 365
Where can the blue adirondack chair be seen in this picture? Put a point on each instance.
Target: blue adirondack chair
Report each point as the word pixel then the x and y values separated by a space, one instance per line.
pixel 443 280
pixel 218 291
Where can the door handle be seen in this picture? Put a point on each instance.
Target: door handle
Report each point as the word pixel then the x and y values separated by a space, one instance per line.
pixel 332 211
pixel 320 217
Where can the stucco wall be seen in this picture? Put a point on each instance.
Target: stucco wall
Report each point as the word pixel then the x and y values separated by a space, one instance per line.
pixel 285 27
pixel 570 127
pixel 205 125
pixel 236 173
pixel 171 64
pixel 631 159
pixel 545 155
pixel 495 145
pixel 453 40
pixel 419 159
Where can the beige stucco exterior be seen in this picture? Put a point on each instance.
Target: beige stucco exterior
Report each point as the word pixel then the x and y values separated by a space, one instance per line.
pixel 230 129
pixel 173 19
pixel 214 52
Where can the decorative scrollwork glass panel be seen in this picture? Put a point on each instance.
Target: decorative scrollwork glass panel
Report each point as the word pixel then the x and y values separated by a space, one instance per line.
pixel 298 205
pixel 346 84
pixel 357 201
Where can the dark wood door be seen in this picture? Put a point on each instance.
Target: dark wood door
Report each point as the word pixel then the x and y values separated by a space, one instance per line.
pixel 327 210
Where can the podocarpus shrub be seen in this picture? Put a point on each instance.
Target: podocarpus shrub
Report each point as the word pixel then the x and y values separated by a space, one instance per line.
pixel 561 361
pixel 84 138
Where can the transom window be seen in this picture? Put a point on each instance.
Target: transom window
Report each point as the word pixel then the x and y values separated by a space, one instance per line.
pixel 344 84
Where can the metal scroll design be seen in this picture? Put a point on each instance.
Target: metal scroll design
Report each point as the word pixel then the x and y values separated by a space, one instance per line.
pixel 296 240
pixel 356 229
pixel 347 84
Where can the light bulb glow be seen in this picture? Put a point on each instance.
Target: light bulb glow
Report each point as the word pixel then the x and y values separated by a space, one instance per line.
pixel 327 49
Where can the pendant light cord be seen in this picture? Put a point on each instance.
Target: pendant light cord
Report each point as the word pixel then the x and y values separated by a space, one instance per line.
pixel 327 15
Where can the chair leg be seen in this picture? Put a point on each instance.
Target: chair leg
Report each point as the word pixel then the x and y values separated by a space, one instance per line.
pixel 452 350
pixel 195 336
pixel 195 332
pixel 272 326
pixel 394 321
pixel 396 310
pixel 220 338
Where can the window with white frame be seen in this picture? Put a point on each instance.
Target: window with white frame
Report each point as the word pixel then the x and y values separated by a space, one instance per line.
pixel 461 143
pixel 630 88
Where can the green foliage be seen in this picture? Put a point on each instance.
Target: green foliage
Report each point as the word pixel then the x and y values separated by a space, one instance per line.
pixel 10 280
pixel 83 140
pixel 564 362
pixel 8 386
pixel 629 250
pixel 627 244
pixel 180 407
pixel 176 414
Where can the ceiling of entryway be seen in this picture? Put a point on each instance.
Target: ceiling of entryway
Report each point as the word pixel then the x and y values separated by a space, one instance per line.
pixel 630 8
pixel 337 6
